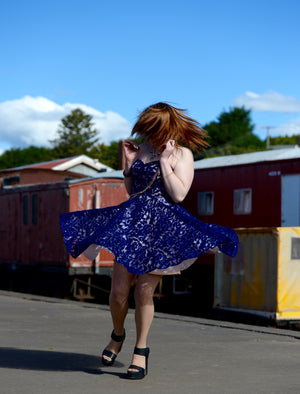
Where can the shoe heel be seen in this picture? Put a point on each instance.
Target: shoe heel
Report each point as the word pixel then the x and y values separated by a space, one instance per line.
pixel 108 353
pixel 140 372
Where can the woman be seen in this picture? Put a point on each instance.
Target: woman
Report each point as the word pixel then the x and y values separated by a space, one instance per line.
pixel 150 234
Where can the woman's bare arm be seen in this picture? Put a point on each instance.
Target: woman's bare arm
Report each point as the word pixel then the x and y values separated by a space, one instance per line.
pixel 179 179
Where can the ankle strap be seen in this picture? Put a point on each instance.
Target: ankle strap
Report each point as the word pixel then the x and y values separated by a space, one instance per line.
pixel 117 338
pixel 142 351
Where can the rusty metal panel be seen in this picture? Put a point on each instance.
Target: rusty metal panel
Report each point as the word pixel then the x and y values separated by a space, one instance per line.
pixel 10 217
pixel 91 194
pixel 112 193
pixel 264 277
pixel 30 225
pixel 47 246
pixel 249 281
pixel 288 276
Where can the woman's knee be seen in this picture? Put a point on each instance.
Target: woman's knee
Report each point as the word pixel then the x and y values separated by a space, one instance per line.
pixel 121 283
pixel 119 294
pixel 142 296
pixel 144 290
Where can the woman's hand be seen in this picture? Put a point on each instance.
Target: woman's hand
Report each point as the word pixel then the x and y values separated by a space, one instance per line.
pixel 177 179
pixel 169 149
pixel 130 151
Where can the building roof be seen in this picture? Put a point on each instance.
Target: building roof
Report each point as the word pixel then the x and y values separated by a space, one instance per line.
pixel 117 174
pixel 66 164
pixel 49 165
pixel 249 158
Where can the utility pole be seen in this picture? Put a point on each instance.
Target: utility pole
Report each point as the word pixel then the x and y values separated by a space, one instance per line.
pixel 268 134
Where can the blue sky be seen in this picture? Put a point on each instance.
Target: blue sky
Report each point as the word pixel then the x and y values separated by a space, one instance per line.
pixel 116 57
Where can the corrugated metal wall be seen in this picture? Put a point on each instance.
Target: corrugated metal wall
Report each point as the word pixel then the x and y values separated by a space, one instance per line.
pixel 264 277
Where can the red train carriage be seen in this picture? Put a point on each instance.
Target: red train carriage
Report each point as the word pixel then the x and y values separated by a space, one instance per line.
pixel 260 189
pixel 30 235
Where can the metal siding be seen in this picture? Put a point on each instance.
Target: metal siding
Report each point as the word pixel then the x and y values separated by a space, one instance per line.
pixel 49 246
pixel 266 194
pixel 96 193
pixel 11 214
pixel 32 243
pixel 41 243
pixel 288 276
pixel 112 193
pixel 39 176
pixel 264 277
pixel 249 281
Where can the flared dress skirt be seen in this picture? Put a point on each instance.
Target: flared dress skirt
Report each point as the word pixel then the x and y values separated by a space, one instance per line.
pixel 148 232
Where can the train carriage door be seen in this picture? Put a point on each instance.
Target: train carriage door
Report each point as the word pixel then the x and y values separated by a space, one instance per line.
pixel 30 235
pixel 290 200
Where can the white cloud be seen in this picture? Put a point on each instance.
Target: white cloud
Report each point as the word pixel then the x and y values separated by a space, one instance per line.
pixel 34 121
pixel 291 127
pixel 268 101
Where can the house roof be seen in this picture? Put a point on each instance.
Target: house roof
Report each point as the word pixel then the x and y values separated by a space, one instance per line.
pixel 117 174
pixel 249 158
pixel 43 165
pixel 66 164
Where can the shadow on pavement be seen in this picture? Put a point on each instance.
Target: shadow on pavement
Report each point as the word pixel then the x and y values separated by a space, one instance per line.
pixel 51 360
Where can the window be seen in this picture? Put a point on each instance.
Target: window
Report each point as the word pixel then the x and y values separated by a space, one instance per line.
pixel 11 180
pixel 242 201
pixel 295 255
pixel 181 285
pixel 205 203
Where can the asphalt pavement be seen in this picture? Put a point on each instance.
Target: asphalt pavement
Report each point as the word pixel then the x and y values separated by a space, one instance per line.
pixel 51 346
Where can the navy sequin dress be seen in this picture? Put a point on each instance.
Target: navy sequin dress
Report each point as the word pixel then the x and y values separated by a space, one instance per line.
pixel 148 232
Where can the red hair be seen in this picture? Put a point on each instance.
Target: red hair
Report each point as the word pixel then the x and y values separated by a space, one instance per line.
pixel 162 122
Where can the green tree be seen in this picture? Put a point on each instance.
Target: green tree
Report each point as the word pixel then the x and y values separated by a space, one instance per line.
pixel 107 154
pixel 76 135
pixel 232 133
pixel 285 140
pixel 16 157
pixel 231 126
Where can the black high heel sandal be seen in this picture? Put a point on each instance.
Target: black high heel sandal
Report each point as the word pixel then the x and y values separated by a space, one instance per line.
pixel 141 372
pixel 108 353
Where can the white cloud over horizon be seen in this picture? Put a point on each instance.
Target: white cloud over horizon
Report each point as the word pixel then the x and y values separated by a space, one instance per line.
pixel 272 101
pixel 289 128
pixel 34 121
pixel 268 101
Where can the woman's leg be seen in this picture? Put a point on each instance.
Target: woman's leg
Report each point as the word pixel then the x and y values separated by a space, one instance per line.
pixel 122 280
pixel 144 311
